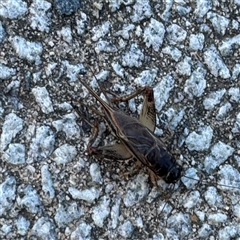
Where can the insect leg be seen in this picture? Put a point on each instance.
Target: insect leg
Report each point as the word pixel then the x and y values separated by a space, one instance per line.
pixel 90 148
pixel 94 126
pixel 115 151
pixel 148 112
pixel 168 135
pixel 129 96
pixel 135 169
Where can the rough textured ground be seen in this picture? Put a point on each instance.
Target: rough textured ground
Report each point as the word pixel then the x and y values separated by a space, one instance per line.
pixel 188 51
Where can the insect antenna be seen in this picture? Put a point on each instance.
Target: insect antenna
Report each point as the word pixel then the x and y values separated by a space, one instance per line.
pixel 101 88
pixel 168 195
pixel 216 183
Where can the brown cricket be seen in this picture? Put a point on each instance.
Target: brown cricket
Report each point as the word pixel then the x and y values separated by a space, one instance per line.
pixel 136 137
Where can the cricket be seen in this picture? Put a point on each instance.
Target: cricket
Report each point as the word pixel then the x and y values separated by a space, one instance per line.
pixel 136 139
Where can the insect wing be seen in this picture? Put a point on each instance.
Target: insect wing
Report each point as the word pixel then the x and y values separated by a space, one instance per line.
pixel 143 145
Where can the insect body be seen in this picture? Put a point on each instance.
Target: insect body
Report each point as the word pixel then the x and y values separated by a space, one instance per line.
pixel 136 137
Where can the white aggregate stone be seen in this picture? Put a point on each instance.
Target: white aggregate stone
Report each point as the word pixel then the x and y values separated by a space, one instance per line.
pixel 7 194
pixel 115 4
pixel 13 86
pixel 11 127
pixel 81 23
pixel 235 71
pixel 213 99
pixel 223 110
pixel 101 211
pixel 28 199
pixel 82 232
pixel 167 10
pixel 42 97
pixel 174 117
pixel 229 176
pixel 200 140
pixel 227 46
pixel 6 228
pixel 196 84
pixel 115 211
pixel 205 28
pixel 141 10
pixel 219 153
pixel 101 30
pixel 68 125
pixel 26 49
pixel 146 77
pixel 229 232
pixel 22 225
pixel 153 34
pixel 234 24
pixel 66 34
pixel 67 212
pixel 47 183
pixel 44 228
pixel 40 18
pixel 118 69
pixel 176 34
pixel 64 154
pixel 6 72
pixel 234 94
pixel 184 67
pixel 237 2
pixel 105 46
pixel 205 231
pixel 64 106
pixel 155 192
pixel 216 218
pixel 42 144
pixel 196 41
pixel 95 173
pixel 236 210
pixel 137 189
pixel 191 178
pixel 125 32
pixel 183 10
pixel 134 57
pixel 173 52
pixel 126 229
pixel 212 197
pixel 88 195
pixel 201 215
pixel 12 8
pixel 1 113
pixel 15 154
pixel 72 71
pixel 49 68
pixel 101 77
pixel 2 33
pixel 162 90
pixel 179 225
pixel 203 6
pixel 220 23
pixel 192 200
pixel 139 222
pixel 236 128
pixel 215 63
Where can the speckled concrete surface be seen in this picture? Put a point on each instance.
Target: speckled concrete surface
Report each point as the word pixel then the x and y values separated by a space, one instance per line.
pixel 188 51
